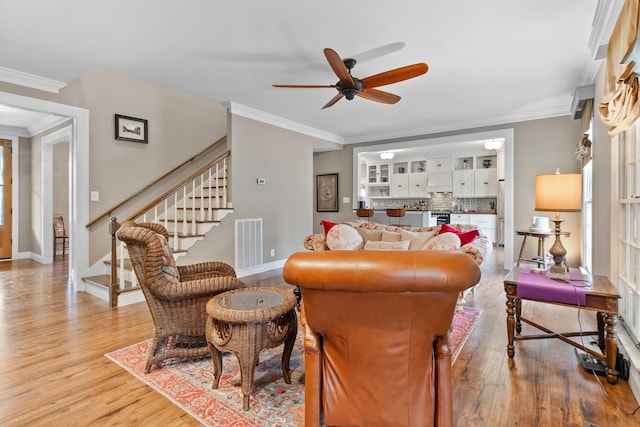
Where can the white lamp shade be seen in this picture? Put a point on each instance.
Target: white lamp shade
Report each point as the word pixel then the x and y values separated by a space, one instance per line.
pixel 559 192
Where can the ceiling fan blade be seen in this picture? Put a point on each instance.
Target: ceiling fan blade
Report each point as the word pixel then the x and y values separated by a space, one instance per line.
pixel 337 65
pixel 335 99
pixel 379 96
pixel 305 86
pixel 394 76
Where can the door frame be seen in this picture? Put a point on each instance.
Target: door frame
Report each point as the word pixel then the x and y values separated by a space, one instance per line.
pixel 14 196
pixel 78 181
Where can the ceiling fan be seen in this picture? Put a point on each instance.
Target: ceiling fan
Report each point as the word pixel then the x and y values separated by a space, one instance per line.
pixel 349 86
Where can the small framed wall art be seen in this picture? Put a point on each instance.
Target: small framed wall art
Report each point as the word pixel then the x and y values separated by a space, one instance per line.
pixel 327 192
pixel 131 129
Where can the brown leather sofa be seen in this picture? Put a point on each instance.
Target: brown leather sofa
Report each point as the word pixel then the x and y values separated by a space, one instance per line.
pixel 376 334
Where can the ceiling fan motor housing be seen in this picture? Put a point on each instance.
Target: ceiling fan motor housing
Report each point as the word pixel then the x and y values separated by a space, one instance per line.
pixel 349 90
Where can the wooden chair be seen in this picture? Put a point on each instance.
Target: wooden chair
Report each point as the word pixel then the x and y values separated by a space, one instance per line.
pixel 59 235
pixel 177 296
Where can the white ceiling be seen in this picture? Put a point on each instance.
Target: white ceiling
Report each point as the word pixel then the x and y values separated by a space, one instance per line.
pixel 491 61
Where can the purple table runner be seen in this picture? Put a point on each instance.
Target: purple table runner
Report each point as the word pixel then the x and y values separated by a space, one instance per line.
pixel 536 286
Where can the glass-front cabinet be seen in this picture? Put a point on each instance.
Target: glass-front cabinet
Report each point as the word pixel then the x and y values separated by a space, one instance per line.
pixel 378 173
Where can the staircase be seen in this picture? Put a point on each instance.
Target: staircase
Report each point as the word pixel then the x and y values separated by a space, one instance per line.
pixel 189 211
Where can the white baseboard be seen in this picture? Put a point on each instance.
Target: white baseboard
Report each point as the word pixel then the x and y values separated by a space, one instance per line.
pixel 261 268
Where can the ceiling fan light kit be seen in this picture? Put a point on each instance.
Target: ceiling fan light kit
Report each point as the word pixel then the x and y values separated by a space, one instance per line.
pixel 349 87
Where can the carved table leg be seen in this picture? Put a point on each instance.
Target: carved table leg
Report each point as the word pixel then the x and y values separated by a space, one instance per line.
pixel 511 303
pixel 518 313
pixel 216 359
pixel 289 342
pixel 611 345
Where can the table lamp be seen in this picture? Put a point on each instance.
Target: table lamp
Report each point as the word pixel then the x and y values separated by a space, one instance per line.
pixel 558 193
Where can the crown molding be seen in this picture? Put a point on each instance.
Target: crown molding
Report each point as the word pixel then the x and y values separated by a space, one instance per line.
pixel 30 80
pixel 261 116
pixel 15 131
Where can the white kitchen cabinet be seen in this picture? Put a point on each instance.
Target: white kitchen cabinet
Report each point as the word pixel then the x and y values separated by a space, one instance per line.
pixel 463 183
pixel 378 173
pixel 487 223
pixel 486 182
pixel 418 185
pixel 400 185
pixel 440 164
pixel 459 218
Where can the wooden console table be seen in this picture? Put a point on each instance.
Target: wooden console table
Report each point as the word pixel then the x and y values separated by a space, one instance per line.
pixel 600 296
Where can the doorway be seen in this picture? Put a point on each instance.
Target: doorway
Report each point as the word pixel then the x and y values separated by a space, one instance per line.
pixel 78 183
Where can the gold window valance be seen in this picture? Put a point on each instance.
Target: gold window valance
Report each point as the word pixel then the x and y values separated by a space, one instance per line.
pixel 619 106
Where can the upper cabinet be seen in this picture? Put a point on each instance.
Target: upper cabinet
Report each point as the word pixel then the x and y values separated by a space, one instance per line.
pixel 463 183
pixel 486 183
pixel 440 164
pixel 378 173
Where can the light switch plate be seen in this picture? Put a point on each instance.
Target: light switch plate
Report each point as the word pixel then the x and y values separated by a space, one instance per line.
pixel 346 199
pixel 95 196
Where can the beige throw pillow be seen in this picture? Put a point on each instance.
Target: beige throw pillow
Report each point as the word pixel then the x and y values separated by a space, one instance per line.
pixel 418 239
pixel 367 235
pixel 391 236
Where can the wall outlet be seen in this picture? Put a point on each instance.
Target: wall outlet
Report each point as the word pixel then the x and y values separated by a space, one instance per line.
pixel 273 253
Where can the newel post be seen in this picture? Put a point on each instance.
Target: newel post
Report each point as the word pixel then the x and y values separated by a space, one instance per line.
pixel 113 284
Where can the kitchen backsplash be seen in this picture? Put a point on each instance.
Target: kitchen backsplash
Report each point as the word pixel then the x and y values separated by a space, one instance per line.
pixel 439 201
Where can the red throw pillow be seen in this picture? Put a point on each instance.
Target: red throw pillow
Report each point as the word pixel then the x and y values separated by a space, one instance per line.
pixel 327 225
pixel 465 236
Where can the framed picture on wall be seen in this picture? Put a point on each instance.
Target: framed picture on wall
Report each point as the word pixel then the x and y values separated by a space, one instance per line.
pixel 327 192
pixel 131 129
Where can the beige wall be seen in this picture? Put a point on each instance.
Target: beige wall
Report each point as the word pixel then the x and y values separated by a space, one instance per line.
pixel 179 126
pixel 285 160
pixel 540 147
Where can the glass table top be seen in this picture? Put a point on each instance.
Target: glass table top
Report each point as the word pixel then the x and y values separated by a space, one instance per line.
pixel 251 300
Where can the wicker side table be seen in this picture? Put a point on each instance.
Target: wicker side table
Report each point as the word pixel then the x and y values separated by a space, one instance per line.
pixel 247 321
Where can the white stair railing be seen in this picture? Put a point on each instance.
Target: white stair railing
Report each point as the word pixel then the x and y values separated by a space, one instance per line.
pixel 188 211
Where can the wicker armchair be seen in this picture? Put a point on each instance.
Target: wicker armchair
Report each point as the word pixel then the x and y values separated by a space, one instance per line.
pixel 176 295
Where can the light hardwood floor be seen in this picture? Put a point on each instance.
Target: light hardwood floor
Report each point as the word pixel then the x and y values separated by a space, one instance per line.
pixel 53 370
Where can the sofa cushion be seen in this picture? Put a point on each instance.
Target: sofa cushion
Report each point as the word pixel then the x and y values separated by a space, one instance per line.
pixel 391 236
pixel 418 239
pixel 367 235
pixel 327 225
pixel 465 236
pixel 344 237
pixel 401 245
pixel 443 242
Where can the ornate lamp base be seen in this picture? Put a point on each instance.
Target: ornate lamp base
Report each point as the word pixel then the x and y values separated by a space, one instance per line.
pixel 559 270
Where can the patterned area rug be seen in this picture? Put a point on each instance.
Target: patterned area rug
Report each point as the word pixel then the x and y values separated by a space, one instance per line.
pixel 273 402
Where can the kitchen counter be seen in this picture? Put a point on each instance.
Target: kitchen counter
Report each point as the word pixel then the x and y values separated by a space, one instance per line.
pixel 474 212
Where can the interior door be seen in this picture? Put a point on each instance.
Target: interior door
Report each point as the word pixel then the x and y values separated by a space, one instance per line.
pixel 5 198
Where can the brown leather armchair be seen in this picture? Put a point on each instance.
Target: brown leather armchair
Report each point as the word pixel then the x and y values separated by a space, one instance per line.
pixel 377 334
